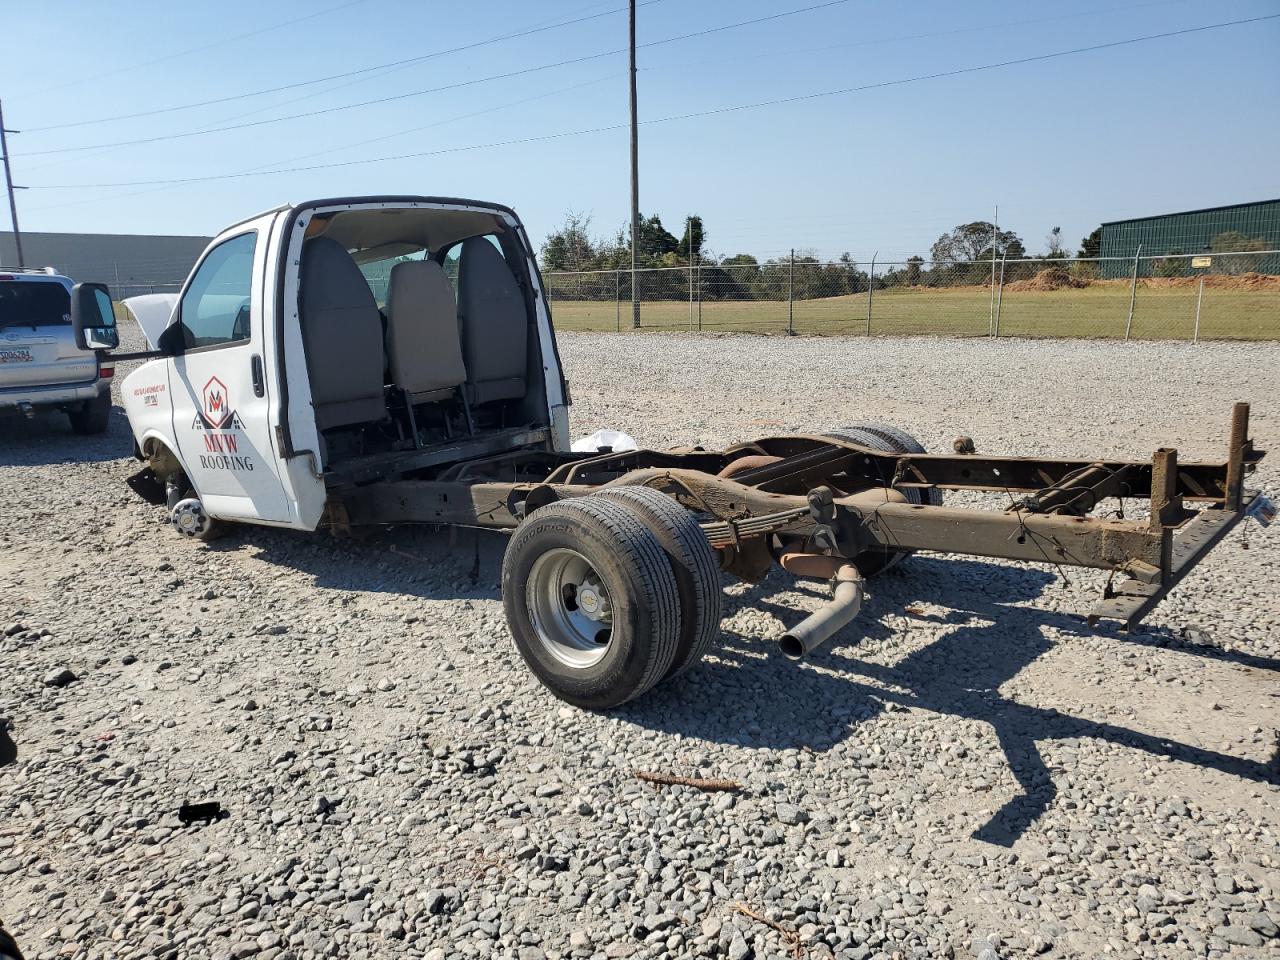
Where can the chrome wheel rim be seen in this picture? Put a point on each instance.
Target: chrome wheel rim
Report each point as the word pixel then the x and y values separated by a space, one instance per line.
pixel 571 610
pixel 189 517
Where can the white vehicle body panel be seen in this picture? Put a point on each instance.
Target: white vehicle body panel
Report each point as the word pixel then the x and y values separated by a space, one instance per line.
pixel 203 405
pixel 152 311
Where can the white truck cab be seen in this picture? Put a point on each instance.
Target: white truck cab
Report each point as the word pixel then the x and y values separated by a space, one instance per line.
pixel 339 342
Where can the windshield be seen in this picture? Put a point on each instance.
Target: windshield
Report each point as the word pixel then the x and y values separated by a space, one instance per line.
pixel 25 303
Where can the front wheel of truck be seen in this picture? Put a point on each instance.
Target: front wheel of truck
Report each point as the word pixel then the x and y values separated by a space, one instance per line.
pixel 592 601
pixel 189 519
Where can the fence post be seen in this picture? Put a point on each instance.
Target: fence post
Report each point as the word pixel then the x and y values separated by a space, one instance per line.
pixel 1133 293
pixel 871 286
pixel 116 266
pixel 791 292
pixel 698 281
pixel 617 301
pixel 991 308
pixel 691 291
pixel 1000 292
pixel 1195 337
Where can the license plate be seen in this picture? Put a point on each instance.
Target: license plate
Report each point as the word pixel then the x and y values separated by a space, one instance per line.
pixel 12 355
pixel 1262 509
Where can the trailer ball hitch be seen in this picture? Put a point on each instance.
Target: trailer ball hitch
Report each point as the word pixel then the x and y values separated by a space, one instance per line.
pixel 819 627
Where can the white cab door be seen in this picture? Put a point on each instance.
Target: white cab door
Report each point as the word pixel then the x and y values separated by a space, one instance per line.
pixel 221 412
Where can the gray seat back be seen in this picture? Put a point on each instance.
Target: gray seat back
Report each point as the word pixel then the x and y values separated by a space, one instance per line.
pixel 495 329
pixel 342 337
pixel 422 330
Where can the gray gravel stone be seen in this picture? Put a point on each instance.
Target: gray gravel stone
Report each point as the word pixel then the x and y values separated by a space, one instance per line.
pixel 965 765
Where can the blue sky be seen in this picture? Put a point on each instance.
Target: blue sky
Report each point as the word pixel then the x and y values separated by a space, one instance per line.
pixel 1171 124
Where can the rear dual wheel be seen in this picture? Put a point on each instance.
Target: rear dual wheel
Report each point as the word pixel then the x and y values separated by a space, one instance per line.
pixel 609 594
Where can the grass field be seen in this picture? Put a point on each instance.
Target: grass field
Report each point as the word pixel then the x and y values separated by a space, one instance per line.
pixel 1100 310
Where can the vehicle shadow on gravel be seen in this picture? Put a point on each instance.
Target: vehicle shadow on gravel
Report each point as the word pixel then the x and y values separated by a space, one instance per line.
pixel 748 695
pixel 47 438
pixel 990 639
pixel 422 561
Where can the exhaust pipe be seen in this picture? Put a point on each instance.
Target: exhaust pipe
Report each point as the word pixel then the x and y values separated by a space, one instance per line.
pixel 817 629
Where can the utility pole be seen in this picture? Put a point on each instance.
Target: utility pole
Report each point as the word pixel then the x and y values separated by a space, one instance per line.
pixel 635 180
pixel 8 182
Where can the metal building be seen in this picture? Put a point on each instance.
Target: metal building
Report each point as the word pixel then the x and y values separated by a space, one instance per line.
pixel 130 263
pixel 1247 226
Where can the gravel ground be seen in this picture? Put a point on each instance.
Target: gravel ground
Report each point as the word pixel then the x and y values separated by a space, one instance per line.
pixel 967 771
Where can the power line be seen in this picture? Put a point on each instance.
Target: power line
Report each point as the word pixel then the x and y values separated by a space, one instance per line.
pixel 879 40
pixel 337 76
pixel 199 49
pixel 418 93
pixel 348 146
pixel 557 21
pixel 326 110
pixel 717 111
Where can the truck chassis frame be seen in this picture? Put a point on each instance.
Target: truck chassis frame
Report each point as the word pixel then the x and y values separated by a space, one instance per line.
pixel 833 501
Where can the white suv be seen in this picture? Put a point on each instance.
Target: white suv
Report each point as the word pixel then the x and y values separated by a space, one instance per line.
pixel 41 364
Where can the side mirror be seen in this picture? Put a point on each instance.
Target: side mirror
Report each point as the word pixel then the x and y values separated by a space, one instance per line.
pixel 171 342
pixel 93 317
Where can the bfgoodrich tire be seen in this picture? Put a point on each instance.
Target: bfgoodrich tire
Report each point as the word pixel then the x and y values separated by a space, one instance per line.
pixel 693 560
pixel 93 416
pixel 592 601
pixel 8 947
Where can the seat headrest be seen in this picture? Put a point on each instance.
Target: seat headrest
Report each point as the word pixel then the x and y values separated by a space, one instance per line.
pixel 485 276
pixel 419 286
pixel 331 278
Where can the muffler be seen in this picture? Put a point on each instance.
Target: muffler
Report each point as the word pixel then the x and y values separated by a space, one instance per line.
pixel 818 628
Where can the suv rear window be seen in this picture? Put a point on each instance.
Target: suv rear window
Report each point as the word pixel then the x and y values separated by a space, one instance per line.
pixel 28 303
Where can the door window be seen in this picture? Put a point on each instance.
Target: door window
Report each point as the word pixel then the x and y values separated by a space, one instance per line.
pixel 215 308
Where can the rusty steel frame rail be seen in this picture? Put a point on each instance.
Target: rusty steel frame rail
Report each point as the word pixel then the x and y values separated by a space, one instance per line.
pixel 1130 601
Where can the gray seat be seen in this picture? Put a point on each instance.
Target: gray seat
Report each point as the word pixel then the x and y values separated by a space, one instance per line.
pixel 342 337
pixel 495 329
pixel 422 332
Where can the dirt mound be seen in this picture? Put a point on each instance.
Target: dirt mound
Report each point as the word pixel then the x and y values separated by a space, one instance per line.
pixel 1050 278
pixel 1243 281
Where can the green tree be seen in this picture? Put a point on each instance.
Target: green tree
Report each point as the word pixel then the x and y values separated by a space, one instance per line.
pixel 732 279
pixel 694 236
pixel 570 247
pixel 655 240
pixel 972 241
pixel 1053 243
pixel 1091 246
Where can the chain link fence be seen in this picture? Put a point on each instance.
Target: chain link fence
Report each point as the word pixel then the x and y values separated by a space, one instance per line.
pixel 1189 297
pixel 1175 296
